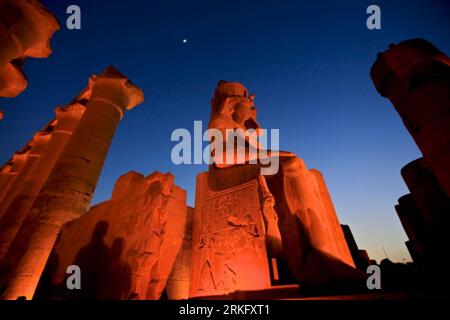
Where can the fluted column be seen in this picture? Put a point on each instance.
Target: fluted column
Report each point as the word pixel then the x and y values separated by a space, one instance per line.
pixel 36 147
pixel 66 120
pixel 68 191
pixel 4 176
pixel 18 161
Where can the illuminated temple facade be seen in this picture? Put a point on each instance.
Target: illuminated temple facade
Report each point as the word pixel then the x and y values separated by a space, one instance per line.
pixel 249 235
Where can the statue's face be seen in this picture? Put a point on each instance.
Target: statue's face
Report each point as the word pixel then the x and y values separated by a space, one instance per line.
pixel 245 114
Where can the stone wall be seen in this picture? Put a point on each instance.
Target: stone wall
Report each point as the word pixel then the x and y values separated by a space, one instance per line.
pixel 125 247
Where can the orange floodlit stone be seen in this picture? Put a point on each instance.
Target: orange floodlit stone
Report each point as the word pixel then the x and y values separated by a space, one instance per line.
pixel 415 76
pixel 26 28
pixel 67 192
pixel 125 247
pixel 246 225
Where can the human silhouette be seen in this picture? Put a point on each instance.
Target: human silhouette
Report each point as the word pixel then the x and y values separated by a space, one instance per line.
pixel 115 281
pixel 92 260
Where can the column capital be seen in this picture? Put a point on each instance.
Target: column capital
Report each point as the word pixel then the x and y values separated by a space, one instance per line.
pixel 13 81
pixel 67 117
pixel 17 160
pixel 115 88
pixel 38 143
pixel 5 169
pixel 36 28
pixel 84 96
pixel 70 110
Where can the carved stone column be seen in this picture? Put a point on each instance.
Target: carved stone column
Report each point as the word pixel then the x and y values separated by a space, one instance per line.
pixel 36 148
pixel 18 161
pixel 4 177
pixel 415 76
pixel 68 191
pixel 61 130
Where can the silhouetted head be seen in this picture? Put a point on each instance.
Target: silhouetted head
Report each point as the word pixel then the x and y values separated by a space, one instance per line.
pixel 100 231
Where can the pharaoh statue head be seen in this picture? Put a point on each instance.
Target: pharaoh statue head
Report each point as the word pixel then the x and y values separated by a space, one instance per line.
pixel 232 107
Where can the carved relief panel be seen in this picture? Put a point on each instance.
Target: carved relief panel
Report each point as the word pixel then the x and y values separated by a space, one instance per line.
pixel 229 250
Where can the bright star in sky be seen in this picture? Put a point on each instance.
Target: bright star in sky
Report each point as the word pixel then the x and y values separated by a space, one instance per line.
pixel 185 40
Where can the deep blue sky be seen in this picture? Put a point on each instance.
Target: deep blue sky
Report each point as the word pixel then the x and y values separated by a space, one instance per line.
pixel 308 63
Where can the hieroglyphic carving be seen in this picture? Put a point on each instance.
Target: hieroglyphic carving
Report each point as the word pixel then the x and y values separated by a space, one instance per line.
pixel 274 240
pixel 229 249
pixel 146 219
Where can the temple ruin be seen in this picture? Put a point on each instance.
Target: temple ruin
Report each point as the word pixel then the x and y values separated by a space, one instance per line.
pixel 248 235
pixel 415 76
pixel 26 28
pixel 52 180
pixel 247 232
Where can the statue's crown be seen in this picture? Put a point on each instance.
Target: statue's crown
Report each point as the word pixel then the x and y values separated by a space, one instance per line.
pixel 226 89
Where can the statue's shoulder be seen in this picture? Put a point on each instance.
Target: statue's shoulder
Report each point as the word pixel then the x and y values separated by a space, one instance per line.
pixel 220 121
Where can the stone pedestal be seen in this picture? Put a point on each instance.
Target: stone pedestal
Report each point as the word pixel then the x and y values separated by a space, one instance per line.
pixel 125 247
pixel 314 250
pixel 229 250
pixel 67 193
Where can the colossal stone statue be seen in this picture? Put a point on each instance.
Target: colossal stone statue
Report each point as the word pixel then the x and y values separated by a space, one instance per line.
pixel 232 111
pixel 283 225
